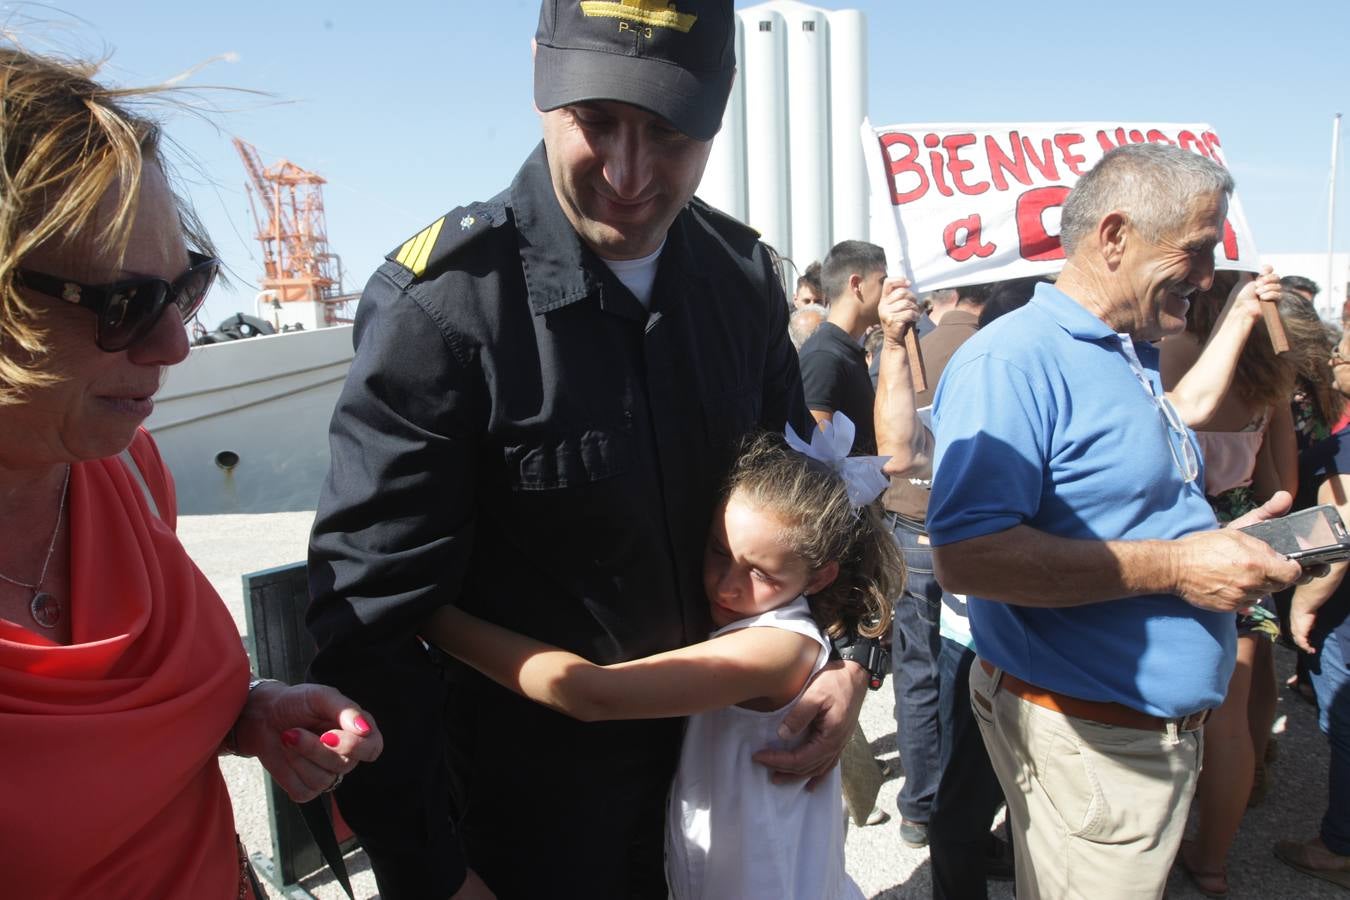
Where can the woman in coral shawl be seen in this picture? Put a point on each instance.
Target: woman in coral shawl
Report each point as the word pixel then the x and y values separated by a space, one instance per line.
pixel 122 676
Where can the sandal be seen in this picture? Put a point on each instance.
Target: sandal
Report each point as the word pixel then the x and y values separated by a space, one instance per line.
pixel 1211 884
pixel 1313 858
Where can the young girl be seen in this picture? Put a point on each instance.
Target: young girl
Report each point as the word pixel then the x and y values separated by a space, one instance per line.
pixel 796 548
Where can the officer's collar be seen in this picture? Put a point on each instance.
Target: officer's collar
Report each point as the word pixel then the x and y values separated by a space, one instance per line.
pixel 559 268
pixel 551 251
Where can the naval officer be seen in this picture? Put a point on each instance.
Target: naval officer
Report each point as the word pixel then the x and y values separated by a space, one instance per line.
pixel 548 389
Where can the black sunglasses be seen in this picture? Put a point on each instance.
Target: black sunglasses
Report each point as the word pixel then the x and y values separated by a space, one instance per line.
pixel 128 310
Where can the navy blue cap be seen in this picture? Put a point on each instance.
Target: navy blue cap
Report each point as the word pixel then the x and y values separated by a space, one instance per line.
pixel 676 60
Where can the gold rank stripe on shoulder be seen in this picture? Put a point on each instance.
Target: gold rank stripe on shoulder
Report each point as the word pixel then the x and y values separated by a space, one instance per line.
pixel 416 250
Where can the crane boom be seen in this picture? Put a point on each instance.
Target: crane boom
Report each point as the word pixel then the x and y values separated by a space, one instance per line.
pixel 286 202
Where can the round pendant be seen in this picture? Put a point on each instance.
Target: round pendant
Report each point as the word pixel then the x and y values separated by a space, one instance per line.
pixel 46 609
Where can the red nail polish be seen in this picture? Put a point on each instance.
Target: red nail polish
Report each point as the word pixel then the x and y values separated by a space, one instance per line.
pixel 329 739
pixel 361 724
pixel 290 737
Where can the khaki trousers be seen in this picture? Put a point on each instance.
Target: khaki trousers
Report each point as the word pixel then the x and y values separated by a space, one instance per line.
pixel 1095 811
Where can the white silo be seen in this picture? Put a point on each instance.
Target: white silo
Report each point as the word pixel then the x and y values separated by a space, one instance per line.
pixel 723 183
pixel 766 126
pixel 788 160
pixel 848 108
pixel 808 109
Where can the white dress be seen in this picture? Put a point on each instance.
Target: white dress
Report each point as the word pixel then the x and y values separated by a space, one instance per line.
pixel 731 834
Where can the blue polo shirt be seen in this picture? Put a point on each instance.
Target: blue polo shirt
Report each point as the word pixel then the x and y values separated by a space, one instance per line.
pixel 1043 419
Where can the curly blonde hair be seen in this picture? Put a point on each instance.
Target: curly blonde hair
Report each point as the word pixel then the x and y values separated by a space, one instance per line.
pixel 820 526
pixel 65 141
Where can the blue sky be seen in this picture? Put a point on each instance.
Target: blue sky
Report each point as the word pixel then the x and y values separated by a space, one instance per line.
pixel 410 109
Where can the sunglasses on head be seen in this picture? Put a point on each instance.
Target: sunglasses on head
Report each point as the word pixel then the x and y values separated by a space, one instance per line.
pixel 128 310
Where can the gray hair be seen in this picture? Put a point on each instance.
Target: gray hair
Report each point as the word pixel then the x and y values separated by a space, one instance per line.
pixel 798 328
pixel 1153 184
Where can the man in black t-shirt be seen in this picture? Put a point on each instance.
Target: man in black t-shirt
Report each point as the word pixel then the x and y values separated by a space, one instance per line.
pixel 834 369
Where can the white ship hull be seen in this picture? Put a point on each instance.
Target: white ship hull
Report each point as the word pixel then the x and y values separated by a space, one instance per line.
pixel 262 404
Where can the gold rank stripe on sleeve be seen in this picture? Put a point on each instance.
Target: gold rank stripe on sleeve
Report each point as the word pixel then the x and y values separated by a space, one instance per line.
pixel 416 250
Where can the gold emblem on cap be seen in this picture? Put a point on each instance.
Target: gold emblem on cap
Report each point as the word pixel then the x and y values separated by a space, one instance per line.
pixel 647 12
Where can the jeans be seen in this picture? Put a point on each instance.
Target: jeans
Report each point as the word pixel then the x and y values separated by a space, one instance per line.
pixel 1331 680
pixel 953 699
pixel 915 646
pixel 968 794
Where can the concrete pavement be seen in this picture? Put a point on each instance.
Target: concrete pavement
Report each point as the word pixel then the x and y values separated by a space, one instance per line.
pixel 226 546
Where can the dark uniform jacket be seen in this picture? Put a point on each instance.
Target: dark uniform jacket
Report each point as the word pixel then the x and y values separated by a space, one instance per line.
pixel 520 437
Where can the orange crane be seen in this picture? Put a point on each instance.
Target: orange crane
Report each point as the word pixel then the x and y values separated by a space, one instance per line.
pixel 287 206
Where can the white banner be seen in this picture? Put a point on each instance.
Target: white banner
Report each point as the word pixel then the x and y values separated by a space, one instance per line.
pixel 955 205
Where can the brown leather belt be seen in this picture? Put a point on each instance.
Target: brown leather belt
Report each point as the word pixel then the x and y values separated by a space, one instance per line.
pixel 1116 714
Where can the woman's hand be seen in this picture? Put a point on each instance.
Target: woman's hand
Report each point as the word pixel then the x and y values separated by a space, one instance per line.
pixel 1263 288
pixel 1301 622
pixel 307 736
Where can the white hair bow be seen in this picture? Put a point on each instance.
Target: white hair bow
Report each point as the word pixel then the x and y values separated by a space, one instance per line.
pixel 830 444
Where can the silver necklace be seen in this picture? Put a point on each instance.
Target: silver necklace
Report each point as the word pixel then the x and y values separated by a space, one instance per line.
pixel 45 608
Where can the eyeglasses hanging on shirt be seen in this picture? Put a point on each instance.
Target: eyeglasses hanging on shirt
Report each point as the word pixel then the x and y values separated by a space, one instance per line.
pixel 1187 462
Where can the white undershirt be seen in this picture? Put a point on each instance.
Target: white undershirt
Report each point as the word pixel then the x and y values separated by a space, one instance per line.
pixel 638 275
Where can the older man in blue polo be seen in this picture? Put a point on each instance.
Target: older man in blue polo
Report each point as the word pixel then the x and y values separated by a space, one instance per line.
pixel 1068 503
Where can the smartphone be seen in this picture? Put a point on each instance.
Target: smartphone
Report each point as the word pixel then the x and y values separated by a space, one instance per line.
pixel 1312 536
